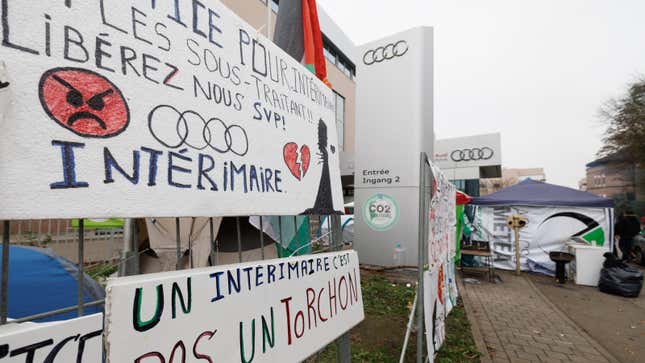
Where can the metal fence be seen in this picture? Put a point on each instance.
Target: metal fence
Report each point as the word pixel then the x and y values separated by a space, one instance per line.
pixel 59 232
pixel 102 244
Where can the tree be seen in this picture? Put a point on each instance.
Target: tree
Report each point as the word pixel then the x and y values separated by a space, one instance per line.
pixel 625 134
pixel 626 130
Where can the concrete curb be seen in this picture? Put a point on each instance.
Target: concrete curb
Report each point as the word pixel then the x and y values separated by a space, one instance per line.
pixel 474 325
pixel 564 317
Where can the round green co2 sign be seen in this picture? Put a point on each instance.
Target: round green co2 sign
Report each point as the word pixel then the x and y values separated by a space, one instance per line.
pixel 381 212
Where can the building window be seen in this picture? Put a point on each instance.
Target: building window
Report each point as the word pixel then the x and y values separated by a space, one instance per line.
pixel 460 184
pixel 275 5
pixel 600 181
pixel 335 57
pixel 343 68
pixel 331 57
pixel 340 120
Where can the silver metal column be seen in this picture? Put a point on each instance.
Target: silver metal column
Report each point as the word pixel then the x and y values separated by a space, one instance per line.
pixel 421 260
pixel 343 343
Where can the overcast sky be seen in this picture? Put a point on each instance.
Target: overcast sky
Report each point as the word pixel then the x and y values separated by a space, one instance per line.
pixel 535 70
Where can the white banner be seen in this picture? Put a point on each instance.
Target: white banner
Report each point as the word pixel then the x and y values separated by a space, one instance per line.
pixel 77 340
pixel 442 220
pixel 270 311
pixel 548 229
pixel 124 108
pixel 440 286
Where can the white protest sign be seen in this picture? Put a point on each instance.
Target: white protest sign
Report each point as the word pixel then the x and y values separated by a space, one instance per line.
pixel 124 108
pixel 267 311
pixel 77 340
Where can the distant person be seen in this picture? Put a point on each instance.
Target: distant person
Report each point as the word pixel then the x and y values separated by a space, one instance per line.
pixel 627 228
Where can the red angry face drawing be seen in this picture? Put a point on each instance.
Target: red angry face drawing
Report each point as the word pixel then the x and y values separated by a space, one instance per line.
pixel 84 102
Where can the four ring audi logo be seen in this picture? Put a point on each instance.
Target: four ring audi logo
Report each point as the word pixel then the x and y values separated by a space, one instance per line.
pixel 389 51
pixel 473 154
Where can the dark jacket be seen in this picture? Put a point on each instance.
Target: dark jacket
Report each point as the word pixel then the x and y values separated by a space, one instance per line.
pixel 628 226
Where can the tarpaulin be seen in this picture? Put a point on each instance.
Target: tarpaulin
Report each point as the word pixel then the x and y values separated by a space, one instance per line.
pixel 548 229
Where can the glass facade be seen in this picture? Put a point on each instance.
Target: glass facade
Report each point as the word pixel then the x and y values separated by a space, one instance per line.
pixel 336 58
pixel 468 186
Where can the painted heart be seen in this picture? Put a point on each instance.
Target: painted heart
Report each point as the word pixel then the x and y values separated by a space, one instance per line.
pixel 297 160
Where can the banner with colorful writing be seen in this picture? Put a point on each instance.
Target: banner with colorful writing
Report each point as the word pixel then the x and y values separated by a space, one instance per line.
pixel 124 108
pixel 440 285
pixel 548 229
pixel 269 311
pixel 76 340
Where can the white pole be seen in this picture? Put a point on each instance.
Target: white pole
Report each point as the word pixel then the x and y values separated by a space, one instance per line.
pixel 409 328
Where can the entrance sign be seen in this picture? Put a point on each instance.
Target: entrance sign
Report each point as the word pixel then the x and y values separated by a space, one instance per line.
pixel 124 108
pixel 77 340
pixel 394 125
pixel 269 311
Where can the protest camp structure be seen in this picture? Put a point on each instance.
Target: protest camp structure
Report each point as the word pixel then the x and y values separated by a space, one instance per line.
pixel 555 214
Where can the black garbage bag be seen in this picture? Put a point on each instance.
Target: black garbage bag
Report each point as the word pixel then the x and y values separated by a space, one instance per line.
pixel 618 278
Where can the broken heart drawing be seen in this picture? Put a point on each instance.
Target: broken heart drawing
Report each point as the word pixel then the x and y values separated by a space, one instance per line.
pixel 297 160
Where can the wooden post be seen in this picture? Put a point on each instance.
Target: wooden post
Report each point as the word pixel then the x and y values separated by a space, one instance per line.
pixel 516 228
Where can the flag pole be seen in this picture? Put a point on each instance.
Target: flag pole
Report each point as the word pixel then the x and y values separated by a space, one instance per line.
pixel 269 20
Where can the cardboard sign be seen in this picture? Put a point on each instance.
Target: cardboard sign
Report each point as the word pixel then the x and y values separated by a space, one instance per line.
pixel 124 108
pixel 76 340
pixel 269 311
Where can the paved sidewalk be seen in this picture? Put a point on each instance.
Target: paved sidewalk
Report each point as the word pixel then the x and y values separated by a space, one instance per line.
pixel 518 324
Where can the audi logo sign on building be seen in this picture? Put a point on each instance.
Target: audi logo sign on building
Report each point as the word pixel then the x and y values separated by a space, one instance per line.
pixel 468 154
pixel 474 154
pixel 390 51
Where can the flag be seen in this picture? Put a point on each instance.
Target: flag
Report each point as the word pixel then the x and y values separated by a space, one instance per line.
pixel 288 28
pixel 298 31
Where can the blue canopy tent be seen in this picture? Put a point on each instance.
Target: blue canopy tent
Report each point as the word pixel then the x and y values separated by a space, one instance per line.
pixel 556 216
pixel 533 193
pixel 40 281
